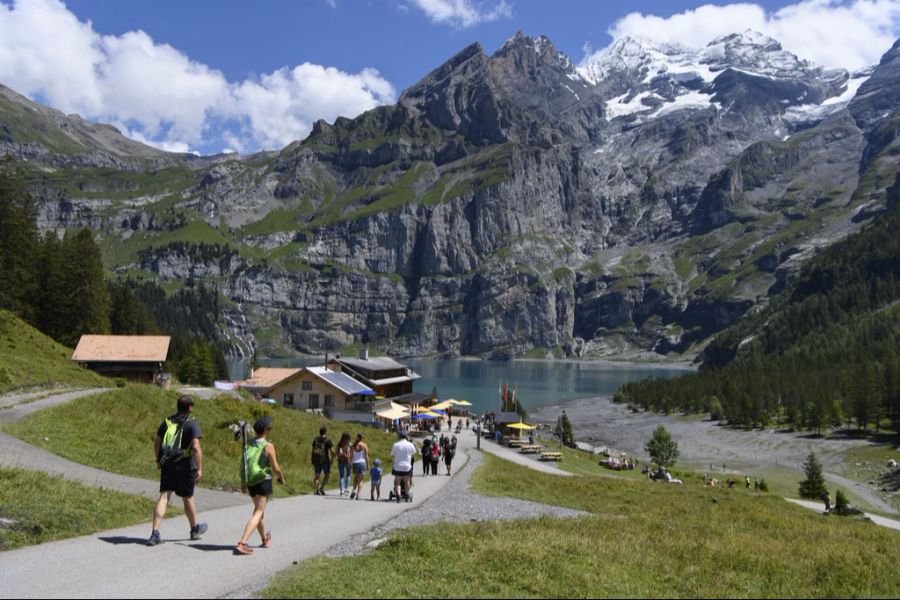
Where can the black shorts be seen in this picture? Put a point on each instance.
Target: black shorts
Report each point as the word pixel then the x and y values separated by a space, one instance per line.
pixel 179 480
pixel 261 489
pixel 397 473
pixel 324 467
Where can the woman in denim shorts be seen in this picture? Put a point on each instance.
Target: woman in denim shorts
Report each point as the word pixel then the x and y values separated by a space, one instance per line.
pixel 359 464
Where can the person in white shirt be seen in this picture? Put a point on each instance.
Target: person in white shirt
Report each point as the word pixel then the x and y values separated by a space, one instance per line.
pixel 404 453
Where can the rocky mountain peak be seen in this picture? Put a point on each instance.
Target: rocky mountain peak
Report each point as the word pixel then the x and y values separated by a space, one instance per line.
pixel 527 54
pixel 756 53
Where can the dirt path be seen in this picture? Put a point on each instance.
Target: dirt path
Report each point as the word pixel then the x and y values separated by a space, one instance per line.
pixel 707 445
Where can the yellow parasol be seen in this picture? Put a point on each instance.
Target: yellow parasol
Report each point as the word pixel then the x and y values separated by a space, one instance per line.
pixel 521 426
pixel 441 405
pixel 462 403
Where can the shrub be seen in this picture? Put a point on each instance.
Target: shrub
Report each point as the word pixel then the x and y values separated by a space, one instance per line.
pixel 840 502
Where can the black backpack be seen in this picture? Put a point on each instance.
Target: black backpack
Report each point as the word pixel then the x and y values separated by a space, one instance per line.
pixel 319 451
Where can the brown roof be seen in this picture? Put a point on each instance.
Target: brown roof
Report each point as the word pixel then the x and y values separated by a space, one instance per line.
pixel 122 348
pixel 268 377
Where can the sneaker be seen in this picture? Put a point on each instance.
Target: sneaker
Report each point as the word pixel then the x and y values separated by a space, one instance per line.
pixel 198 530
pixel 243 549
pixel 268 541
pixel 154 538
pixel 352 495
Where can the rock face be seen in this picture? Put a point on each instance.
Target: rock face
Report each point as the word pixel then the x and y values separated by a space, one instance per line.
pixel 507 202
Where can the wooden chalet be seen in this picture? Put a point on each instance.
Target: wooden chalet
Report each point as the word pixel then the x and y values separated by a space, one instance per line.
pixel 138 358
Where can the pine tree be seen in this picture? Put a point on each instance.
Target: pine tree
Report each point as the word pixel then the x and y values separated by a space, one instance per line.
pixel 18 242
pixel 662 448
pixel 564 430
pixel 814 484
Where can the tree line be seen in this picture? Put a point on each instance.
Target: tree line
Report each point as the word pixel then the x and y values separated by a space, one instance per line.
pixel 58 286
pixel 823 354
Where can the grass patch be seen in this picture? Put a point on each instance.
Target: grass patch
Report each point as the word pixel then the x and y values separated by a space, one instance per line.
pixel 30 359
pixel 47 507
pixel 641 539
pixel 114 431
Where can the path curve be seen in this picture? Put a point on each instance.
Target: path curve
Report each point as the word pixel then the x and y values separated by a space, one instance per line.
pixel 15 453
pixel 818 507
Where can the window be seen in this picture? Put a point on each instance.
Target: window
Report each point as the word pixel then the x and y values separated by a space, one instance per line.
pixel 329 400
pixel 314 401
pixel 307 385
pixel 288 399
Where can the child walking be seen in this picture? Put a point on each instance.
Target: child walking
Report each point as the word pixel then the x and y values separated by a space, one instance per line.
pixel 375 474
pixel 257 464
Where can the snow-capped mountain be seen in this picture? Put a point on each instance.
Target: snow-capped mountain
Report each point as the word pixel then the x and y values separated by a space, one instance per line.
pixel 648 80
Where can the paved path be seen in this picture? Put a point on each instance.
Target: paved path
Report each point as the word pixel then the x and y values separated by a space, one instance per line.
pixel 118 563
pixel 819 507
pixel 527 460
pixel 18 454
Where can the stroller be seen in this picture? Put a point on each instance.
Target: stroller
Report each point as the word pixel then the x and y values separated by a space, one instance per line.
pixel 405 489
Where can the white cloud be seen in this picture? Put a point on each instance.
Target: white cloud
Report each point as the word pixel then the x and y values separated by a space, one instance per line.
pixel 158 95
pixel 831 33
pixel 464 13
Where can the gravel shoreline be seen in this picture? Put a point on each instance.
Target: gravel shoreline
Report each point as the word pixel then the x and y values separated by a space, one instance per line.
pixel 704 444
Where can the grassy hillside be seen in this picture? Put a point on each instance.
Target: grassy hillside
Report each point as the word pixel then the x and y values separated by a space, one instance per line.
pixel 641 539
pixel 29 359
pixel 44 508
pixel 114 431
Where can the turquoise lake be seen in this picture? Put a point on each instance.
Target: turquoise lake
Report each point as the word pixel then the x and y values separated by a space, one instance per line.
pixel 539 383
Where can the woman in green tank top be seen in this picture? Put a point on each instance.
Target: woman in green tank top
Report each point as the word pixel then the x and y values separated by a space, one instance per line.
pixel 260 491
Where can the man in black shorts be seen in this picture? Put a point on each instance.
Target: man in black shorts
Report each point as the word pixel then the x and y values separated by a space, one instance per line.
pixel 180 462
pixel 404 454
pixel 322 457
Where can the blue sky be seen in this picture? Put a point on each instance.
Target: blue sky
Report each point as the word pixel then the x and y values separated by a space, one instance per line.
pixel 208 76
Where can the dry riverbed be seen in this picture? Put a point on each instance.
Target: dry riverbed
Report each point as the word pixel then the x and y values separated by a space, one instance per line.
pixel 707 446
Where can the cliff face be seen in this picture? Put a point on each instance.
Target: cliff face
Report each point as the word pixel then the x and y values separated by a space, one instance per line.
pixel 510 203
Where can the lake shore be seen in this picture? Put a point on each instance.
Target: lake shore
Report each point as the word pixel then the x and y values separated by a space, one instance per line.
pixel 706 445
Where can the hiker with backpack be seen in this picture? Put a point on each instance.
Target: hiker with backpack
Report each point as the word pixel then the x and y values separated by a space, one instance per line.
pixel 322 457
pixel 449 452
pixel 258 462
pixel 180 463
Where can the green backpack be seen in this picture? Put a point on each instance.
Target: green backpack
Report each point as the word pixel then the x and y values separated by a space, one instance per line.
pixel 252 471
pixel 170 450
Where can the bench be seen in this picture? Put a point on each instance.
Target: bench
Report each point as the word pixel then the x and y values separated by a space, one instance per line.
pixel 551 456
pixel 517 443
pixel 531 449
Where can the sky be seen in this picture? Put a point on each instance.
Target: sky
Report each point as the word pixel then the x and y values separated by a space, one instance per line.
pixel 209 76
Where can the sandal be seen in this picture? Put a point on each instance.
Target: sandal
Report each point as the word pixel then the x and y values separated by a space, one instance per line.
pixel 267 541
pixel 242 548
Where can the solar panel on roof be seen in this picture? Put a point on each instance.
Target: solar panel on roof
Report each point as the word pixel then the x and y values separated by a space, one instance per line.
pixel 343 382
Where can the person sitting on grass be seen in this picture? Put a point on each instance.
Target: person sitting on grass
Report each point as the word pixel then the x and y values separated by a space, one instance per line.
pixel 260 455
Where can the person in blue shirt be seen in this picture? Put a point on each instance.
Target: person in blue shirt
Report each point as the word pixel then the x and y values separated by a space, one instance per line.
pixel 375 474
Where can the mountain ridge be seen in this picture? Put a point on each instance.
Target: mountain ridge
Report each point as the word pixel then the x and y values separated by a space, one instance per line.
pixel 499 209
